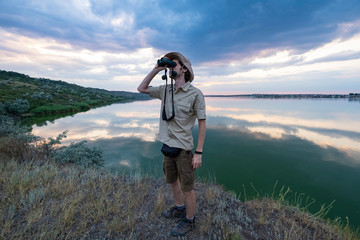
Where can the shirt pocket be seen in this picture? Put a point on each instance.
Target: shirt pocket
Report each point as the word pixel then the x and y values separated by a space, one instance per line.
pixel 183 109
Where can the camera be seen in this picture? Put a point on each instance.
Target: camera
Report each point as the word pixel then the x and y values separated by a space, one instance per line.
pixel 166 62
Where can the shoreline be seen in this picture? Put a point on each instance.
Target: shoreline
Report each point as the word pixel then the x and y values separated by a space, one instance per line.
pixel 351 96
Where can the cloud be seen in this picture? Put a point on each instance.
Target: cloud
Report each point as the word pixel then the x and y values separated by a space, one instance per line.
pixel 75 21
pixel 245 27
pixel 72 63
pixel 203 30
pixel 248 46
pixel 335 61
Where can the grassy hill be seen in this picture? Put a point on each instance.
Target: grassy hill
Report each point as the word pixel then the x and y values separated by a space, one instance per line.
pixel 49 97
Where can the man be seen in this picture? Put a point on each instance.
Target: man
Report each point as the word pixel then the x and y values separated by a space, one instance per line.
pixel 181 105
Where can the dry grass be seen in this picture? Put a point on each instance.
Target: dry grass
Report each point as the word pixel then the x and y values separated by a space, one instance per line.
pixel 50 201
pixel 278 221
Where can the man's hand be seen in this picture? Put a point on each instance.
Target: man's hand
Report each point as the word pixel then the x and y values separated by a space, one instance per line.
pixel 144 85
pixel 158 68
pixel 196 161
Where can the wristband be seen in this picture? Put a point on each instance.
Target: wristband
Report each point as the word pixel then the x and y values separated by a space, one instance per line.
pixel 196 152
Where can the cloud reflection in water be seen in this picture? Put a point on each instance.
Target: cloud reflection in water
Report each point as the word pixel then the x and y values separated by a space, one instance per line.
pixel 327 123
pixel 137 119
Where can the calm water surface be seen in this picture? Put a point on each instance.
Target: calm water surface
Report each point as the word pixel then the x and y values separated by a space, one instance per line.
pixel 309 145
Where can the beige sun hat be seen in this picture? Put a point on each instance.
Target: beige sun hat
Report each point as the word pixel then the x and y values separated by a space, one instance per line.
pixel 184 60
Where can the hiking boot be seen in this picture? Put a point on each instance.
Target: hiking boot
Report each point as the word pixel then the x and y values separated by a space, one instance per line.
pixel 183 228
pixel 174 213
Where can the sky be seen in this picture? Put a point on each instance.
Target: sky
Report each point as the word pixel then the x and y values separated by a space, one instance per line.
pixel 235 47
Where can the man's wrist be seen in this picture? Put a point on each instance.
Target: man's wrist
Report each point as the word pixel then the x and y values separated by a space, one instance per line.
pixel 198 152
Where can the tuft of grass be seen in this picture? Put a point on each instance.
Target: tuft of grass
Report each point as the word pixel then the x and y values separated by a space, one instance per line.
pixel 287 216
pixel 160 203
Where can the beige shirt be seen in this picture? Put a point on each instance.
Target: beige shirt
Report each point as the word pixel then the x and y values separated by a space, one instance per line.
pixel 189 104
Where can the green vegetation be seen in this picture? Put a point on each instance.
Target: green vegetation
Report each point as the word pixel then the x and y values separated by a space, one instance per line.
pixel 21 95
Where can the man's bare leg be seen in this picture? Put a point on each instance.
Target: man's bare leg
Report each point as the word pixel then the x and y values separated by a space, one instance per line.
pixel 176 189
pixel 190 200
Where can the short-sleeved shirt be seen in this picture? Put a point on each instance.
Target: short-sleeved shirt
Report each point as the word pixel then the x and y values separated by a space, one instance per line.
pixel 189 104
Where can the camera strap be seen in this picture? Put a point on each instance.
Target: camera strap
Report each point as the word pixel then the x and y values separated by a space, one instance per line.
pixel 164 117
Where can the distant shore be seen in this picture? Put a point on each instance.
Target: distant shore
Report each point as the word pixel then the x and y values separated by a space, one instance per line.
pixel 350 96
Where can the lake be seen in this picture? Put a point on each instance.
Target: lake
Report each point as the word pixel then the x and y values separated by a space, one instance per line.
pixel 311 146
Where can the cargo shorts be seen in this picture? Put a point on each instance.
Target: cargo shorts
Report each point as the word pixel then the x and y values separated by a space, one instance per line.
pixel 180 167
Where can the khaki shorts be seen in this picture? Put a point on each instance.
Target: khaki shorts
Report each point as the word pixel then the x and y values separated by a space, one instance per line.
pixel 180 167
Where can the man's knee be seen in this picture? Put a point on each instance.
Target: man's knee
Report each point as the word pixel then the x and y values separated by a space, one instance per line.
pixel 175 183
pixel 189 193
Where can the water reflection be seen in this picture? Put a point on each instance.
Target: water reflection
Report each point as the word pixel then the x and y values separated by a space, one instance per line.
pixel 136 119
pixel 237 157
pixel 327 123
pixel 313 146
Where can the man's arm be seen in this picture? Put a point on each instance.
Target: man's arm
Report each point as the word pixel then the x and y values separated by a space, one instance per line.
pixel 144 85
pixel 197 159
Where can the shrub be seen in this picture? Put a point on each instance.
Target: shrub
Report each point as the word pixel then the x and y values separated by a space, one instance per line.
pixel 19 106
pixel 78 153
pixel 16 142
pixel 2 109
pixel 42 96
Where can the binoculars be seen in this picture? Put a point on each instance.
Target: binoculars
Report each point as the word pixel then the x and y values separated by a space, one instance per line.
pixel 166 62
